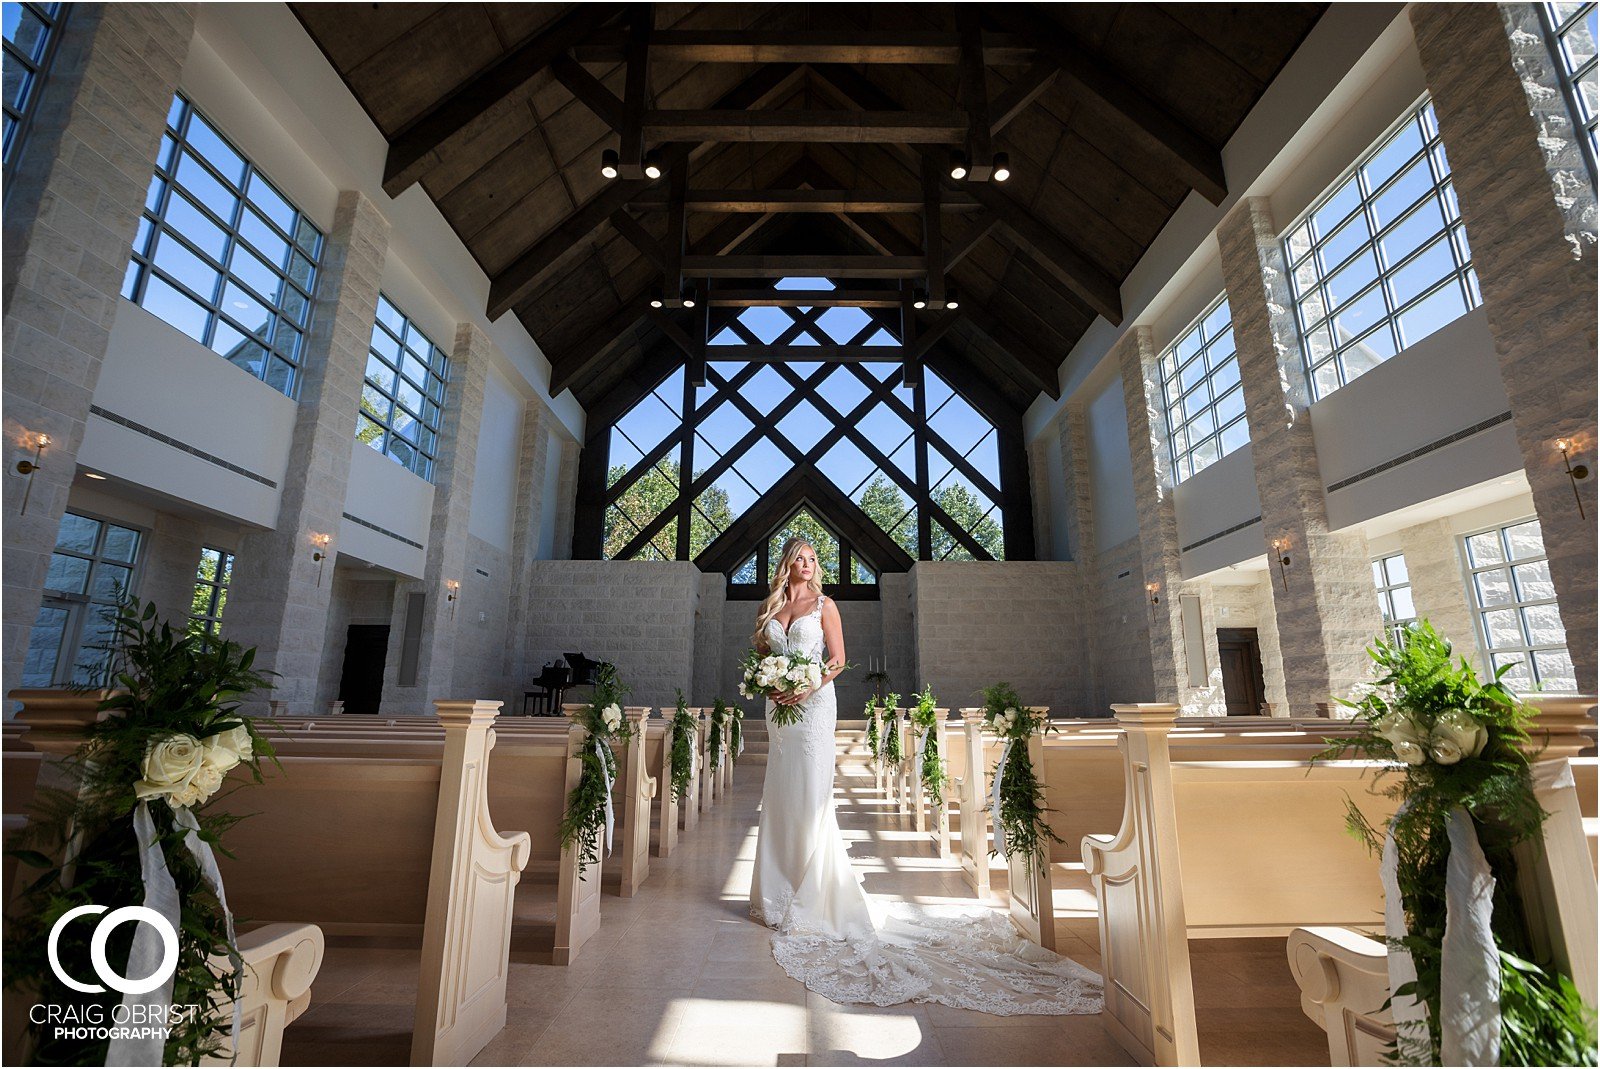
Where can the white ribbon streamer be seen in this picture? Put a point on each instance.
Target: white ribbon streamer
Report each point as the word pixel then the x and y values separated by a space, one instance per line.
pixel 741 740
pixel 161 895
pixel 600 751
pixel 1469 982
pixel 994 801
pixel 1469 1002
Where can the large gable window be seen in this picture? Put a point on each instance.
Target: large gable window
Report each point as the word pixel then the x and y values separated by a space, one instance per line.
pixel 222 255
pixel 32 32
pixel 1381 260
pixel 686 463
pixel 403 395
pixel 1200 387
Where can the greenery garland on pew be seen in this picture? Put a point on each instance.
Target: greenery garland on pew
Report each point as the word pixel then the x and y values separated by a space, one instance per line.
pixel 893 752
pixel 735 716
pixel 1462 744
pixel 584 822
pixel 1021 794
pixel 174 734
pixel 719 713
pixel 874 737
pixel 683 740
pixel 933 778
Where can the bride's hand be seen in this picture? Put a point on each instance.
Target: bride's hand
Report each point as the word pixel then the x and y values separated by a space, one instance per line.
pixel 797 697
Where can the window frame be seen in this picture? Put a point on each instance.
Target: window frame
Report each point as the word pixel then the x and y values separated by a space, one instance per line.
pixel 436 371
pixel 1516 604
pixel 1173 393
pixel 210 621
pixel 1441 190
pixel 154 229
pixel 1392 621
pixel 80 606
pixel 1569 77
pixel 38 72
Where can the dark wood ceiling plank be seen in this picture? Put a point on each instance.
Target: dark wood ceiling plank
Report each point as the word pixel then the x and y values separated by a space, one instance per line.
pixel 806 266
pixel 431 135
pixel 919 127
pixel 809 46
pixel 821 201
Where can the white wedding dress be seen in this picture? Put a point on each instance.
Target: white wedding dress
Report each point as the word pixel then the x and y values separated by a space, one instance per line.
pixel 827 936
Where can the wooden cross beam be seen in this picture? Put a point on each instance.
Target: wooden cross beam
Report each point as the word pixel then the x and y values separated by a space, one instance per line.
pixel 824 266
pixel 909 127
pixel 973 93
pixel 809 46
pixel 742 298
pixel 818 201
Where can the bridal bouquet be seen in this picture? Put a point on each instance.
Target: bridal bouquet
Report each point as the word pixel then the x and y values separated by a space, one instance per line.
pixel 775 675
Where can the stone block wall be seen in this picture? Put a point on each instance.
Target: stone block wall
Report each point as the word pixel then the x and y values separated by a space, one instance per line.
pixel 637 614
pixel 1250 605
pixel 979 623
pixel 483 614
pixel 899 648
pixel 355 597
pixel 1119 643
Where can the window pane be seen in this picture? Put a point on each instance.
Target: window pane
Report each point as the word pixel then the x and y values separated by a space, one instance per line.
pixel 44 646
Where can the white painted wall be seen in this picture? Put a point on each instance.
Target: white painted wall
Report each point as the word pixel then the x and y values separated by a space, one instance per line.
pixel 161 378
pixel 494 479
pixel 384 493
pixel 551 497
pixel 1222 496
pixel 1110 466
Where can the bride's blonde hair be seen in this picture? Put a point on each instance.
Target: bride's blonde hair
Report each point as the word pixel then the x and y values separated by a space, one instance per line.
pixel 778 597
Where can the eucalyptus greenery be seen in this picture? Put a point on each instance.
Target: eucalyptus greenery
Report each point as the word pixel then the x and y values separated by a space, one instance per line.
pixel 1022 812
pixel 933 778
pixel 79 848
pixel 719 715
pixel 583 823
pixel 1461 744
pixel 683 740
pixel 892 749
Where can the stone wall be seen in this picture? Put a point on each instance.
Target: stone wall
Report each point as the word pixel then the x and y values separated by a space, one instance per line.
pixel 639 615
pixel 1119 642
pixel 978 623
pixel 483 614
pixel 356 597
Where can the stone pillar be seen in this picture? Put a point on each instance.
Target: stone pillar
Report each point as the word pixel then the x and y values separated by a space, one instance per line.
pixel 528 520
pixel 1159 554
pixel 280 595
pixel 1039 475
pixel 1433 563
pixel 69 225
pixel 1529 211
pixel 1325 607
pixel 566 502
pixel 1080 536
pixel 446 559
pixel 172 561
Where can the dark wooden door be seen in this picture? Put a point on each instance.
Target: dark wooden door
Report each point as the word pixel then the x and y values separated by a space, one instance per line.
pixel 1239 650
pixel 366 647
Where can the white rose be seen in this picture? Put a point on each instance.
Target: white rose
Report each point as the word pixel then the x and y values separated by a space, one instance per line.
pixel 1409 752
pixel 1011 717
pixel 1457 733
pixel 225 749
pixel 814 676
pixel 1401 729
pixel 170 766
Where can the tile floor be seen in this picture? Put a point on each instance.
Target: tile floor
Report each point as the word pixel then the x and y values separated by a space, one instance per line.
pixel 680 976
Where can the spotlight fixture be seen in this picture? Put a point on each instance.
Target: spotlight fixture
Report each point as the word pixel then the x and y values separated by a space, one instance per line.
pixel 28 467
pixel 919 299
pixel 1002 166
pixel 656 300
pixel 320 554
pixel 1566 447
pixel 688 297
pixel 958 165
pixel 609 163
pixel 1280 546
pixel 652 164
pixel 95 475
pixel 951 300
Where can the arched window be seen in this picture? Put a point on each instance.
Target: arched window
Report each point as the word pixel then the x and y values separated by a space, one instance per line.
pixel 921 463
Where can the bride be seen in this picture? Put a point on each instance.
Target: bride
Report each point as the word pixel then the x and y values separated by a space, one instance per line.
pixel 804 887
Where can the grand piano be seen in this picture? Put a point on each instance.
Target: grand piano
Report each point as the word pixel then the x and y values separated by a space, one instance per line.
pixel 549 690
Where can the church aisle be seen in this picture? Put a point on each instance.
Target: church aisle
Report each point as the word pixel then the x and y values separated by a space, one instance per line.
pixel 680 976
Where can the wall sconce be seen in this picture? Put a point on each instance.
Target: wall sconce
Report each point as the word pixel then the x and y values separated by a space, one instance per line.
pixel 28 467
pixel 453 587
pixel 1154 592
pixel 1280 546
pixel 1566 446
pixel 320 554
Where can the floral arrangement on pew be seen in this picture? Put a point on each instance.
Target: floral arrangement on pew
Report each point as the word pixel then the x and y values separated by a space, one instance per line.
pixel 776 675
pixel 1016 803
pixel 138 828
pixel 735 721
pixel 933 778
pixel 683 744
pixel 874 736
pixel 893 751
pixel 589 818
pixel 719 716
pixel 1466 802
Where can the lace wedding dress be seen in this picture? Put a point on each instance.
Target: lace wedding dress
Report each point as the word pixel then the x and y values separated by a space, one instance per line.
pixel 827 936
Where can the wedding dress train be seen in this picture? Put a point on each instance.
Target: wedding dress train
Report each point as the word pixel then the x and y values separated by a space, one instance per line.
pixel 826 934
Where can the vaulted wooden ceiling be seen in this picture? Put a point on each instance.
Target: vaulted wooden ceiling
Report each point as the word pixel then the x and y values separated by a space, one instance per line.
pixel 1110 114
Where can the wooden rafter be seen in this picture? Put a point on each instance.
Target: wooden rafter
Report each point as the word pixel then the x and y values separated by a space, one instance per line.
pixel 818 201
pixel 809 46
pixel 833 265
pixel 919 127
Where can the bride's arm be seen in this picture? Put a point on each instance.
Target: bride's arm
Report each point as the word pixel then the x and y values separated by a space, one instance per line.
pixel 833 641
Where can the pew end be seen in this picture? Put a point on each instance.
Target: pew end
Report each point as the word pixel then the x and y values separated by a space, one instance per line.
pixel 1344 984
pixel 280 963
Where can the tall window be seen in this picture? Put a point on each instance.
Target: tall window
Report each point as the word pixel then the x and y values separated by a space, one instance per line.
pixel 921 463
pixel 1389 575
pixel 404 391
pixel 1571 32
pixel 211 583
pixel 31 33
pixel 1381 260
pixel 1518 621
pixel 222 255
pixel 93 564
pixel 1204 401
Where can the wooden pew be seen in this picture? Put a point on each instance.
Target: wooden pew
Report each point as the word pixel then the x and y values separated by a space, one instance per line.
pixel 659 750
pixel 1343 975
pixel 1184 865
pixel 920 800
pixel 708 793
pixel 689 805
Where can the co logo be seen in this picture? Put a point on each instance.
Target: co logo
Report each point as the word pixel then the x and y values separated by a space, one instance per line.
pixel 97 950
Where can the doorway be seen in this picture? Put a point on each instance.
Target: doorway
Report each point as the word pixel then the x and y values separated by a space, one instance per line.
pixel 1244 689
pixel 366 648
